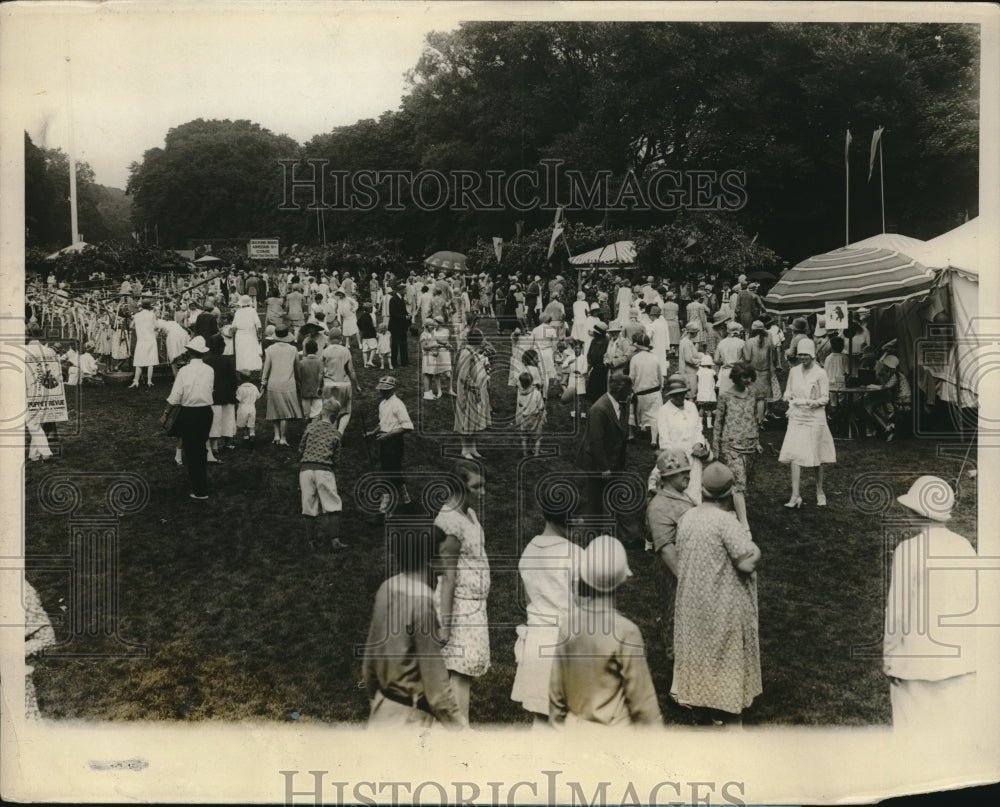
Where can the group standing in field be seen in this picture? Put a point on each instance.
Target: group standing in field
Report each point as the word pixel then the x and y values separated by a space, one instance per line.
pixel 682 375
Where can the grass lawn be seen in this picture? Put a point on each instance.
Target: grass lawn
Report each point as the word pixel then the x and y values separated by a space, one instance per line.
pixel 242 621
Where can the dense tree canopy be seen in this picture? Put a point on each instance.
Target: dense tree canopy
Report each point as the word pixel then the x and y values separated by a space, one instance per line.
pixel 213 179
pixel 770 100
pixel 103 213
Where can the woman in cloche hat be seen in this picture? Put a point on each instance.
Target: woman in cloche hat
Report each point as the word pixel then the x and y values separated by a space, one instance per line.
pixel 716 646
pixel 600 675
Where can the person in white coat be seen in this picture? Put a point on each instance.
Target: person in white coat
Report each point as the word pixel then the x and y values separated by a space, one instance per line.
pixel 647 385
pixel 146 351
pixel 580 313
pixel 659 337
pixel 929 647
pixel 679 426
pixel 623 302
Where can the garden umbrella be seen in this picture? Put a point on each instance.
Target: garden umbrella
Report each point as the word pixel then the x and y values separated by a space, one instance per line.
pixel 761 275
pixel 619 253
pixel 859 276
pixel 446 260
pixel 208 259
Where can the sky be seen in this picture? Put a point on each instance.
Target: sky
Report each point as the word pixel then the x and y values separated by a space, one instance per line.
pixel 136 72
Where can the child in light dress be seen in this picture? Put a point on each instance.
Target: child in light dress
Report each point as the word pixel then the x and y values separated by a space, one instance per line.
pixel 247 396
pixel 705 395
pixel 529 416
pixel 384 347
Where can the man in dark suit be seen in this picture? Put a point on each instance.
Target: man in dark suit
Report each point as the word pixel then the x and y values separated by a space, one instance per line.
pixel 604 442
pixel 399 322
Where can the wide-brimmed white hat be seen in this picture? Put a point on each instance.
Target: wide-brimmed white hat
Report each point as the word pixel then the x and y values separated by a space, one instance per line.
pixel 605 564
pixel 197 345
pixel 930 496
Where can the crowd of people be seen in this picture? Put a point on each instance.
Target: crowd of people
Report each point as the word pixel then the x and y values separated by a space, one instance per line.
pixel 694 371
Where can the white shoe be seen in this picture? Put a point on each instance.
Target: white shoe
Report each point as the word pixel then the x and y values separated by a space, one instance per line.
pixel 430 396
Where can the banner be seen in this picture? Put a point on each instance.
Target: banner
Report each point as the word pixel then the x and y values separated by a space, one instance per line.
pixel 43 385
pixel 876 136
pixel 262 248
pixel 556 232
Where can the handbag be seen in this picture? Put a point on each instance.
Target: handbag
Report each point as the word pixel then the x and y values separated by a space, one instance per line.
pixel 169 416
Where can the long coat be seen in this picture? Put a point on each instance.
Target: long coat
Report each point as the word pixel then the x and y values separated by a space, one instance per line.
pixel 605 440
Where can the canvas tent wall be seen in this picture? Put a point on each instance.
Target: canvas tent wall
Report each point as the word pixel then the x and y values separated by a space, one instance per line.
pixel 947 354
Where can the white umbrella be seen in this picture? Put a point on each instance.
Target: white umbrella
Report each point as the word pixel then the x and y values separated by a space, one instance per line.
pixel 208 259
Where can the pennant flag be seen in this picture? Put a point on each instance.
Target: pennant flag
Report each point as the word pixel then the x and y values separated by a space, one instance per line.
pixel 847 146
pixel 519 225
pixel 556 232
pixel 497 247
pixel 876 136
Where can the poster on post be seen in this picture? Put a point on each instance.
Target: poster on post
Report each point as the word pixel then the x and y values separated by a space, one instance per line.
pixel 44 392
pixel 836 315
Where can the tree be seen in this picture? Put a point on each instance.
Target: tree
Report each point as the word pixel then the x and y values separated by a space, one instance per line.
pixel 214 179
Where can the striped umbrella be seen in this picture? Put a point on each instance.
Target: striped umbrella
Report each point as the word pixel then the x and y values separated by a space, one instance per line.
pixel 619 253
pixel 446 260
pixel 857 275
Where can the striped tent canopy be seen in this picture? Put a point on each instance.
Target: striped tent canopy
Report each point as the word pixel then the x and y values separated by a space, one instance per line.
pixel 858 275
pixel 619 253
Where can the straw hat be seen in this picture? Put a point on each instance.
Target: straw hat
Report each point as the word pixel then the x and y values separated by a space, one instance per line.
pixel 387 382
pixel 283 335
pixel 197 345
pixel 605 564
pixel 676 386
pixel 734 327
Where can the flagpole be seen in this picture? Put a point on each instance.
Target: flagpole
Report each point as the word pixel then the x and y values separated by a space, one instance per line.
pixel 881 179
pixel 73 220
pixel 847 189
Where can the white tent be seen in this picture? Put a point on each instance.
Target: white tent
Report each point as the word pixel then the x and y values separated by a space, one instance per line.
pixel 956 254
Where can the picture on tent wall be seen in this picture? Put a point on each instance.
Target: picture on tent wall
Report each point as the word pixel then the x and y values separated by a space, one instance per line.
pixel 836 315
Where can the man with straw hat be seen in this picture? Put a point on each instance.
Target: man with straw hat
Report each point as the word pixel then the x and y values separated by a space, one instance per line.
pixel 600 675
pixel 393 423
pixel 929 655
pixel 647 383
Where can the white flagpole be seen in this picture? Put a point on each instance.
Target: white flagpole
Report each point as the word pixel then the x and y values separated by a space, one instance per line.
pixel 881 179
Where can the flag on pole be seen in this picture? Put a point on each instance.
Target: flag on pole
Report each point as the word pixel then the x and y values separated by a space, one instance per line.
pixel 847 148
pixel 556 232
pixel 497 247
pixel 876 136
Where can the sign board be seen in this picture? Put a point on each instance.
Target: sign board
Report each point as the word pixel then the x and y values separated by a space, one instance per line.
pixel 262 248
pixel 46 398
pixel 836 315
